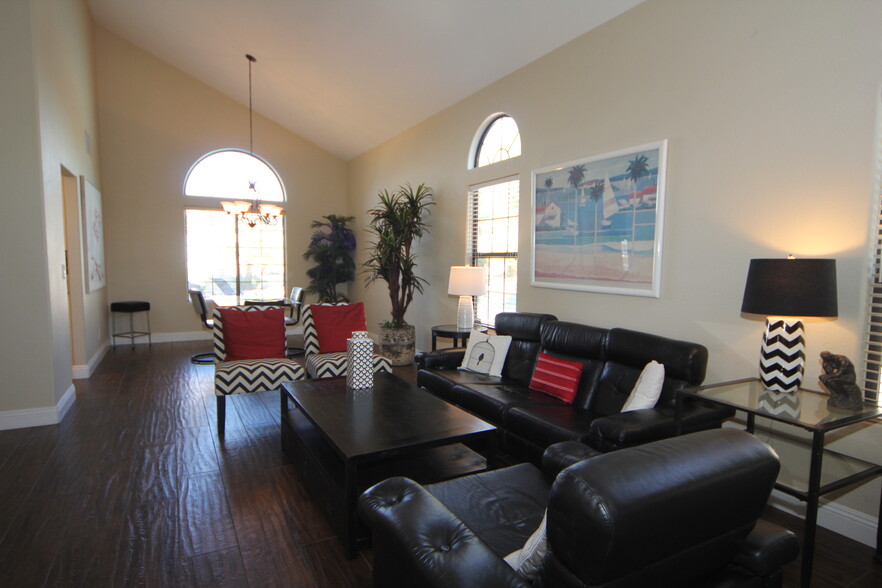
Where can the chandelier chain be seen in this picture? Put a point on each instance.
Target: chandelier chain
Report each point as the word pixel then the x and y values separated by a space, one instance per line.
pixel 255 211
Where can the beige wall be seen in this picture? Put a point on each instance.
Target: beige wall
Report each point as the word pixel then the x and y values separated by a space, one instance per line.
pixel 24 288
pixel 770 110
pixel 66 80
pixel 48 106
pixel 155 122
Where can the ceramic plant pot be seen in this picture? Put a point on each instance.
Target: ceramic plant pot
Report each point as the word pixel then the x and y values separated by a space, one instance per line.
pixel 398 344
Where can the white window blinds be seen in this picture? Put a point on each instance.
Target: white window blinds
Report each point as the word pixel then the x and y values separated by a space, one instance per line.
pixel 493 243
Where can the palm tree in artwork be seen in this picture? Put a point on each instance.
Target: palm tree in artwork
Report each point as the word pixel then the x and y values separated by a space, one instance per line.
pixel 637 168
pixel 574 179
pixel 549 182
pixel 595 193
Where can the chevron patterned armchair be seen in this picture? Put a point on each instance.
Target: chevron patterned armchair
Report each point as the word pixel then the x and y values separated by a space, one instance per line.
pixel 325 331
pixel 250 353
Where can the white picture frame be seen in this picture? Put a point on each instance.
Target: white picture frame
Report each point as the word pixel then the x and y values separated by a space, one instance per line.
pixel 598 222
pixel 93 237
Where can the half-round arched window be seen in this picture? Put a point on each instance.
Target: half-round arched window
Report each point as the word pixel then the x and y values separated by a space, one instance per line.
pixel 234 174
pixel 497 139
pixel 230 258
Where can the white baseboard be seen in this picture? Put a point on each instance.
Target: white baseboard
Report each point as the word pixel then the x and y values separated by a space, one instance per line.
pixel 203 335
pixel 67 400
pixel 82 372
pixel 38 417
pixel 851 523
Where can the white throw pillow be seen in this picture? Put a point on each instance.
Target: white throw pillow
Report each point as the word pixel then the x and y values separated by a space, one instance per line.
pixel 527 561
pixel 647 389
pixel 485 354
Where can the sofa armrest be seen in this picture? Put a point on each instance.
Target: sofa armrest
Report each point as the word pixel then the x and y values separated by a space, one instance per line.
pixel 767 549
pixel 442 359
pixel 560 456
pixel 419 542
pixel 636 427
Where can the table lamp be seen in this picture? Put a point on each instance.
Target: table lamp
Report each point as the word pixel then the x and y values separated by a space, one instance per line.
pixel 784 289
pixel 465 282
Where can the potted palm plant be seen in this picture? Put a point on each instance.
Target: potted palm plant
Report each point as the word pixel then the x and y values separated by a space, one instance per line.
pixel 395 223
pixel 330 247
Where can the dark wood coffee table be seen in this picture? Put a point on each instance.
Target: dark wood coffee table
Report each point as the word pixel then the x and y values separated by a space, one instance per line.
pixel 345 441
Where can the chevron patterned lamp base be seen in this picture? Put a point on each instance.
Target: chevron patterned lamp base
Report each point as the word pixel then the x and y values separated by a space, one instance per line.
pixel 782 358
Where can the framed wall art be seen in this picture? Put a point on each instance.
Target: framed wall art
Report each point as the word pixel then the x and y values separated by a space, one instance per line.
pixel 598 222
pixel 93 236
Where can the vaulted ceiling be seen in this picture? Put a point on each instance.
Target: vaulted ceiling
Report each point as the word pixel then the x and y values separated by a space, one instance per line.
pixel 351 74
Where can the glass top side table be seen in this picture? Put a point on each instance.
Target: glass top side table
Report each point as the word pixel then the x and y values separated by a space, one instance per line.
pixel 808 410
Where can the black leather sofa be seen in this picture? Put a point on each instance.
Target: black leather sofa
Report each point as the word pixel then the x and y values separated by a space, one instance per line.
pixel 614 358
pixel 678 512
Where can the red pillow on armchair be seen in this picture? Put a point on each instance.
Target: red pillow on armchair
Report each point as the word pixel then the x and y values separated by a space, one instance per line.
pixel 253 334
pixel 335 324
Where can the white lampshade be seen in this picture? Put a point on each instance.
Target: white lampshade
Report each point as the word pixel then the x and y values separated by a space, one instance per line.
pixel 467 281
pixel 237 207
pixel 270 209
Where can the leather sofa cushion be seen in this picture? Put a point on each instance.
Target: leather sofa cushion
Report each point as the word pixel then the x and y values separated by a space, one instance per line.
pixel 613 388
pixel 525 331
pixel 503 507
pixel 440 381
pixel 682 360
pixel 545 425
pixel 490 402
pixel 574 339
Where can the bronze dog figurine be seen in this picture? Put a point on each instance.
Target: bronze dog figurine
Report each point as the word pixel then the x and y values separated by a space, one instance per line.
pixel 839 379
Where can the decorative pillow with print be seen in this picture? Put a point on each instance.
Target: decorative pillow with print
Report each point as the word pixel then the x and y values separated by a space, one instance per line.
pixel 485 354
pixel 557 377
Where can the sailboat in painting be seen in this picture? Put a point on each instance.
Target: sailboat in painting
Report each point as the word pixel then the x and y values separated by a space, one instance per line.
pixel 610 205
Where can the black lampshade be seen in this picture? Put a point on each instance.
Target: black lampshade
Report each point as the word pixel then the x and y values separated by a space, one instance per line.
pixel 791 287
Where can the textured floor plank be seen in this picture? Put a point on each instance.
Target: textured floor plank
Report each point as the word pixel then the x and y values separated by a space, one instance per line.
pixel 331 568
pixel 223 569
pixel 206 524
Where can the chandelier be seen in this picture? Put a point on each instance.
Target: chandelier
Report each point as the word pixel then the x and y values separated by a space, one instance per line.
pixel 253 211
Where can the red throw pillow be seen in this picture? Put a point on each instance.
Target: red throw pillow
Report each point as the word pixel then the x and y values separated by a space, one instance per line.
pixel 557 377
pixel 335 324
pixel 254 334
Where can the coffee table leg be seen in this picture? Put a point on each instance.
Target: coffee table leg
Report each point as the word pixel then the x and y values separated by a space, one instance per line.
pixel 491 450
pixel 350 516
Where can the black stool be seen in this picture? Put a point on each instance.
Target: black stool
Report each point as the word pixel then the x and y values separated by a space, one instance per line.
pixel 130 307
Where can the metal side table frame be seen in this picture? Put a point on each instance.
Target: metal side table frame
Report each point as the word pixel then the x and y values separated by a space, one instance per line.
pixel 808 410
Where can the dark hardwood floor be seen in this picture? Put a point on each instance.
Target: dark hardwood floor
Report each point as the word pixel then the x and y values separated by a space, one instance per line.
pixel 134 488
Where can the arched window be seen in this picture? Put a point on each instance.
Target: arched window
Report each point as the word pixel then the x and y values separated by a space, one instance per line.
pixel 493 218
pixel 498 139
pixel 227 259
pixel 229 173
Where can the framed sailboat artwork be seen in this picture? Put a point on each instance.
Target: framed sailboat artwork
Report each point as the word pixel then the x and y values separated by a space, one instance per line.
pixel 598 222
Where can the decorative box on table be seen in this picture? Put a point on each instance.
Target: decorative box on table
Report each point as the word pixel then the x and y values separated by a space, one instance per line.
pixel 360 355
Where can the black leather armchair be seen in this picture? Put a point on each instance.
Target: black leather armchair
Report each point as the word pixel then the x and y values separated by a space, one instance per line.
pixel 678 512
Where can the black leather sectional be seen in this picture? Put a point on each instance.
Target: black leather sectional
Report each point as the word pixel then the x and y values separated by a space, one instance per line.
pixel 677 512
pixel 613 358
